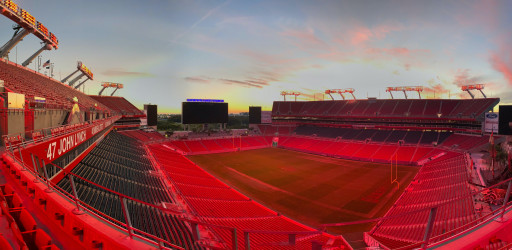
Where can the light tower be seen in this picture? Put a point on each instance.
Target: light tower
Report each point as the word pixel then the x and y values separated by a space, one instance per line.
pixel 340 92
pixel 25 24
pixel 119 86
pixel 285 93
pixel 85 71
pixel 110 85
pixel 418 89
pixel 479 87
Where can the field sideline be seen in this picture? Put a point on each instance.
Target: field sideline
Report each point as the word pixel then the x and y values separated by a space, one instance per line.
pixel 309 188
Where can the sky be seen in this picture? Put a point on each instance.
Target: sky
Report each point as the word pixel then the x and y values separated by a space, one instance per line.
pixel 247 52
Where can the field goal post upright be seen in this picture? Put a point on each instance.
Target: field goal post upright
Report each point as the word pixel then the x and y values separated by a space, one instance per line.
pixel 394 178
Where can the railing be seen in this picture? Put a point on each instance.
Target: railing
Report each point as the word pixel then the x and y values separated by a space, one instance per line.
pixel 81 206
pixel 432 235
pixel 42 135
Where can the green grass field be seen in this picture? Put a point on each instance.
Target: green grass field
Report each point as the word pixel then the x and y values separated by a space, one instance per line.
pixel 309 188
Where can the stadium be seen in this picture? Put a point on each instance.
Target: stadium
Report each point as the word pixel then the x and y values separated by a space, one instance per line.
pixel 87 171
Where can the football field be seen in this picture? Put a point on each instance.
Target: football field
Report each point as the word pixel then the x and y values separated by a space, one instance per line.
pixel 309 188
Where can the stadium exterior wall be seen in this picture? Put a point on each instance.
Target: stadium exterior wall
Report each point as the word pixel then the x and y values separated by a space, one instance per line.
pixel 48 118
pixel 15 121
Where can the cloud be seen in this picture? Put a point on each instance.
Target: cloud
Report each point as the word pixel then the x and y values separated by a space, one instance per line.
pixel 435 87
pixel 361 35
pixel 407 66
pixel 306 39
pixel 500 64
pixel 204 17
pixel 197 79
pixel 466 77
pixel 246 84
pixel 124 73
pixel 258 82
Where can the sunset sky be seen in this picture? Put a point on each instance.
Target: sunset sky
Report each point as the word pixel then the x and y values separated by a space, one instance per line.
pixel 246 52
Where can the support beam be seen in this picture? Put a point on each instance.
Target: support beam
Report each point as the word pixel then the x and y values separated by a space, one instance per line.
pixel 4 51
pixel 69 76
pixel 72 82
pixel 471 94
pixel 101 91
pixel 285 93
pixel 418 89
pixel 483 93
pixel 430 226
pixel 114 92
pixel 80 84
pixel 32 57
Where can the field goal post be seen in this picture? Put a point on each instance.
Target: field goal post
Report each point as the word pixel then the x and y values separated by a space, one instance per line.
pixel 394 170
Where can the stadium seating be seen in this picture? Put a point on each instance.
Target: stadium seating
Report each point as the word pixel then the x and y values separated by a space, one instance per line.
pixel 465 142
pixel 142 135
pixel 375 135
pixel 22 80
pixel 358 150
pixel 118 163
pixel 467 109
pixel 118 104
pixel 26 231
pixel 437 182
pixel 216 145
pixel 271 130
pixel 211 145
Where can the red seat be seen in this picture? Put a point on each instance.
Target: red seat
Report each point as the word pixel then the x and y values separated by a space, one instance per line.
pixel 5 207
pixel 7 189
pixel 42 240
pixel 50 247
pixel 19 237
pixel 4 244
pixel 27 221
pixel 15 202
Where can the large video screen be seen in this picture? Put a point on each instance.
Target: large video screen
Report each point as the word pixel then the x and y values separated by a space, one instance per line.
pixel 254 115
pixel 152 114
pixel 505 120
pixel 204 112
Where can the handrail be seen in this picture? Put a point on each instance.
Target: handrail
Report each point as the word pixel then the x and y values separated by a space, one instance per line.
pixel 59 131
pixel 101 216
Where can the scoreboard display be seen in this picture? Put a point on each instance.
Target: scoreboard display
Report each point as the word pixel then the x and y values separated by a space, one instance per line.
pixel 204 112
pixel 254 115
pixel 151 114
